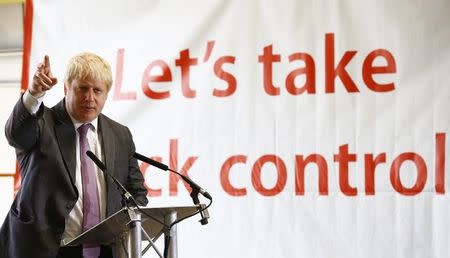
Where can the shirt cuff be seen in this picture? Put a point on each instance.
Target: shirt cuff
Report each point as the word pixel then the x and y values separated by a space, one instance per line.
pixel 31 102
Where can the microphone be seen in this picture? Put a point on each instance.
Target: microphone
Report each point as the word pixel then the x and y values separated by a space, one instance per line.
pixel 196 189
pixel 101 165
pixel 162 166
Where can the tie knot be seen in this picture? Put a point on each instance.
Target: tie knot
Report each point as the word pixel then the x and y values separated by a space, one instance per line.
pixel 82 130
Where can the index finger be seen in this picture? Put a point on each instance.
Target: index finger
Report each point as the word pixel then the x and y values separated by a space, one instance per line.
pixel 47 62
pixel 47 70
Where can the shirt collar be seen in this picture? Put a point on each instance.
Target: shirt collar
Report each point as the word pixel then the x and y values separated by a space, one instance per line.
pixel 78 124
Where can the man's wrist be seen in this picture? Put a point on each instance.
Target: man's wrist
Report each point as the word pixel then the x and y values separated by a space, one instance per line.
pixel 36 95
pixel 32 103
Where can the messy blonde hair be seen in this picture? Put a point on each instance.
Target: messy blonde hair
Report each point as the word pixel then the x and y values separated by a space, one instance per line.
pixel 89 66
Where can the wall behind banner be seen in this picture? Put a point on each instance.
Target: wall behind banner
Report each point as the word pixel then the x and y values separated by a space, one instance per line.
pixel 319 127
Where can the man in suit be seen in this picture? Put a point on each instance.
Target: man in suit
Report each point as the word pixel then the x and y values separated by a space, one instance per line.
pixel 61 193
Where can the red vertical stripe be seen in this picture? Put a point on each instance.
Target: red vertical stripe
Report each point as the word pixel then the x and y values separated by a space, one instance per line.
pixel 27 35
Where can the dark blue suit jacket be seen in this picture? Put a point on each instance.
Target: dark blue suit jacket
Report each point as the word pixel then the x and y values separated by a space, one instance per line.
pixel 45 148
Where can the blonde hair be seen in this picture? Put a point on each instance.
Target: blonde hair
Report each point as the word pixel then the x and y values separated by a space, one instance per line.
pixel 88 66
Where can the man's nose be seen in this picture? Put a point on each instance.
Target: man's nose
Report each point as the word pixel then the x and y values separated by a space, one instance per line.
pixel 90 95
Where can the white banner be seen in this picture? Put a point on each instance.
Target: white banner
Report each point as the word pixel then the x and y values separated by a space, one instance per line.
pixel 320 128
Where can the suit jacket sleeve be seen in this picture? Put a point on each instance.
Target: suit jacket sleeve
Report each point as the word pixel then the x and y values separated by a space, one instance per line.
pixel 135 180
pixel 22 128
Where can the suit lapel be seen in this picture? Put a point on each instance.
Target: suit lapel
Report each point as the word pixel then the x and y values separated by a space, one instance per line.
pixel 109 149
pixel 66 137
pixel 108 143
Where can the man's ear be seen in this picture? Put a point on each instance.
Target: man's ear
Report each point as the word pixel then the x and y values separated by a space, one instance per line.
pixel 66 88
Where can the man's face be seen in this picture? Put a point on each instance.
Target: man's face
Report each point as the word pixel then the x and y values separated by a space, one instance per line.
pixel 85 99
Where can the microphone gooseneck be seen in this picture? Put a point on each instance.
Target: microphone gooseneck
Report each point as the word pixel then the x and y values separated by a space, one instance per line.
pixel 162 166
pixel 196 189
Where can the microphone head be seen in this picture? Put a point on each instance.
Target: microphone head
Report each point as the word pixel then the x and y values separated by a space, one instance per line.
pixel 207 195
pixel 150 161
pixel 97 162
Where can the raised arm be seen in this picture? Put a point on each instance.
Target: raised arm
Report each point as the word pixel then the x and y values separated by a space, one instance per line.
pixel 22 127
